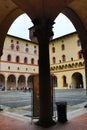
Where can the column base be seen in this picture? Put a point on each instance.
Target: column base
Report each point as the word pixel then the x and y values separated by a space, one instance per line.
pixel 45 124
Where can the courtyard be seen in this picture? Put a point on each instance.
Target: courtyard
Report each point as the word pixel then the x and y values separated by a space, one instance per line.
pixel 21 103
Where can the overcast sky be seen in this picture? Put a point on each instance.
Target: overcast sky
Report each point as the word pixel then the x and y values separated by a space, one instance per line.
pixel 20 26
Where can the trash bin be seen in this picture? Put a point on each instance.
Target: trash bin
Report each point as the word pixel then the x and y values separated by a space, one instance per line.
pixel 62 111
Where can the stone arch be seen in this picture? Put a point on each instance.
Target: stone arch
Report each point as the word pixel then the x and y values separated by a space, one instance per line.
pixel 69 66
pixel 51 68
pixel 54 68
pixel 29 82
pixel 2 80
pixel 21 82
pixel 57 67
pixel 76 64
pixel 73 65
pixel 66 66
pixel 62 66
pixel 6 23
pixel 77 80
pixel 11 82
pixel 80 64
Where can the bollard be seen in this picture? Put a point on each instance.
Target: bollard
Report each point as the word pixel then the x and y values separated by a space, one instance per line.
pixel 62 111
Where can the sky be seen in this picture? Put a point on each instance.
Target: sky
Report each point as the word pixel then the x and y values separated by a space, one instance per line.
pixel 21 25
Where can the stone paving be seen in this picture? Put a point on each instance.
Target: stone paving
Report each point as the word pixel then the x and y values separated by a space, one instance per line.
pixel 13 118
pixel 20 102
pixel 13 122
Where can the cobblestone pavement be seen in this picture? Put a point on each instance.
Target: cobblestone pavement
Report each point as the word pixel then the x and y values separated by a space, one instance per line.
pixel 20 102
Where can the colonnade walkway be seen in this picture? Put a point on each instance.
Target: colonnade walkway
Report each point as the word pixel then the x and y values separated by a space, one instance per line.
pixel 77 120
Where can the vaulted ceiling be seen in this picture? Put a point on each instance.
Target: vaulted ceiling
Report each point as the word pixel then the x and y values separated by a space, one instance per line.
pixel 39 9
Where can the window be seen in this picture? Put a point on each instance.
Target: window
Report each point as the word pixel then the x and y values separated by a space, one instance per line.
pixel 62 47
pixel 54 78
pixel 8 67
pixel 9 58
pixel 80 55
pixel 35 51
pixel 53 49
pixel 63 58
pixel 17 48
pixel 79 43
pixel 11 41
pixel 64 81
pixel 33 69
pixel 25 60
pixel 34 46
pixel 18 68
pixel 12 46
pixel 62 40
pixel 59 61
pixel 26 69
pixel 17 42
pixel 26 44
pixel 54 60
pixel 71 59
pixel 32 61
pixel 17 59
pixel 27 50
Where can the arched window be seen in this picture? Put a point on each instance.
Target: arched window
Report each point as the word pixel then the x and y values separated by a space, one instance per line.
pixel 27 50
pixel 80 55
pixel 64 81
pixel 54 60
pixel 25 60
pixel 63 58
pixel 79 43
pixel 62 47
pixel 9 58
pixel 53 49
pixel 17 59
pixel 11 41
pixel 32 61
pixel 54 81
pixel 8 67
pixel 71 58
pixel 35 51
pixel 17 48
pixel 12 46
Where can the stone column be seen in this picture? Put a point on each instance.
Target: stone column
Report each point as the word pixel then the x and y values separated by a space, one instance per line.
pixel 6 84
pixel 16 82
pixel 43 32
pixel 26 82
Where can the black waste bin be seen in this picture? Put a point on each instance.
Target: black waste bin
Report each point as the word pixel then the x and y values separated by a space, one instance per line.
pixel 62 111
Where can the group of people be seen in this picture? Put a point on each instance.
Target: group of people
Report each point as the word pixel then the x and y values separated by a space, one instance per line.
pixel 24 89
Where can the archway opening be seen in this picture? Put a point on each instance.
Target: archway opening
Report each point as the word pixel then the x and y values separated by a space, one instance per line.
pixel 21 82
pixel 11 82
pixel 2 82
pixel 77 80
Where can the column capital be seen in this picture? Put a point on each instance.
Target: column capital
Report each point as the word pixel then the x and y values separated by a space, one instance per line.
pixel 43 29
